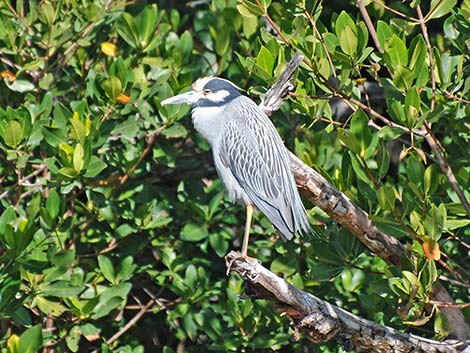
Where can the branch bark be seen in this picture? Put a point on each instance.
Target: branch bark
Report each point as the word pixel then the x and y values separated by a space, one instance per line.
pixel 321 321
pixel 339 207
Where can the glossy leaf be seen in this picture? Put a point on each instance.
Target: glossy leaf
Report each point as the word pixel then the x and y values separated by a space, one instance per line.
pixel 348 41
pixel 193 232
pixel 13 134
pixel 439 8
pixel 31 340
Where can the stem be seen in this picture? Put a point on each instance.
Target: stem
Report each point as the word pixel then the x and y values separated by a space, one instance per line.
pixel 370 25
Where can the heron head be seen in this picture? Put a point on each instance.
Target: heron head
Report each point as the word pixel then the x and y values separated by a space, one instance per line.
pixel 207 92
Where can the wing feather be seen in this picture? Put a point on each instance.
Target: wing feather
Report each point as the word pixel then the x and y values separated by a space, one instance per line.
pixel 255 154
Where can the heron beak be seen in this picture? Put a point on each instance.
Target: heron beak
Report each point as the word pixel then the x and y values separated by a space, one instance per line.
pixel 190 97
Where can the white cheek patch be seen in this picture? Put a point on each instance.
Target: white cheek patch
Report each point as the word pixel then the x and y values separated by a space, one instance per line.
pixel 218 96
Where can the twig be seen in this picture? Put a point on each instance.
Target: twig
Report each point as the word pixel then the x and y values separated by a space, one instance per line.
pixel 370 25
pixel 453 281
pixel 396 12
pixel 429 137
pixel 131 322
pixel 445 167
pixel 449 305
pixel 320 37
pixel 452 96
pixel 273 24
pixel 150 139
pixel 431 57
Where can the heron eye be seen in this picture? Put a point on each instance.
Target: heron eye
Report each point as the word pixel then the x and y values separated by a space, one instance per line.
pixel 207 91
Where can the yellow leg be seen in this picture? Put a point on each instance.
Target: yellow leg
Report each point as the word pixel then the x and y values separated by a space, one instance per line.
pixel 246 236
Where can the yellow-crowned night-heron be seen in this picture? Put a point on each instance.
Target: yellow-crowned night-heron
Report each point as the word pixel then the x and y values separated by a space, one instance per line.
pixel 248 152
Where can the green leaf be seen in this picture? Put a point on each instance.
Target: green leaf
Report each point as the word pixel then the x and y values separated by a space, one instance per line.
pixel 348 41
pixel 146 24
pixel 419 54
pixel 68 172
pixel 389 226
pixel 440 8
pixel 47 13
pixel 49 307
pixel 265 60
pixel 441 325
pixel 352 279
pixel 383 160
pixel 61 289
pixel 77 131
pixel 218 243
pixel 112 87
pixel 193 232
pixel 13 134
pixel 359 168
pixel 265 3
pixel 127 29
pixel 31 340
pixel 415 171
pixel 249 25
pixel 53 203
pixel 386 197
pixel 175 131
pixel 396 51
pixel 222 40
pixel 284 265
pixel 349 140
pixel 64 259
pixel 125 269
pixel 384 32
pixel 190 276
pixel 90 331
pixel 78 155
pixel 95 167
pixel 186 43
pixel 435 220
pixel 360 129
pixel 248 9
pixel 106 268
pixel 343 21
pixel 21 86
pixel 54 136
pixel 403 78
pixel 412 107
pixel 72 339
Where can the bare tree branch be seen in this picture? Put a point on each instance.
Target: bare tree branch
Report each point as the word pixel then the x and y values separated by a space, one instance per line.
pixel 274 97
pixel 339 207
pixel 321 321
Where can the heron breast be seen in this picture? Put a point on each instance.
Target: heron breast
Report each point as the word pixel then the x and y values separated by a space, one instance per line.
pixel 208 121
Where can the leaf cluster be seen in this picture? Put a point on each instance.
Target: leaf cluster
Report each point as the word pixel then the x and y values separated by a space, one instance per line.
pixel 113 223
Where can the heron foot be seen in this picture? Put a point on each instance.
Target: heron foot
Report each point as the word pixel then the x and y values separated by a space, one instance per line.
pixel 233 256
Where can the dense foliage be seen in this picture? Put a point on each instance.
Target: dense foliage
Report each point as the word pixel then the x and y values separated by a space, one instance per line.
pixel 113 223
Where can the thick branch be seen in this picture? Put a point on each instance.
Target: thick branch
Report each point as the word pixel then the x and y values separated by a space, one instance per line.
pixel 274 97
pixel 322 321
pixel 339 207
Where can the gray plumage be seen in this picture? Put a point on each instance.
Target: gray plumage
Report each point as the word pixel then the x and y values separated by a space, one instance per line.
pixel 249 154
